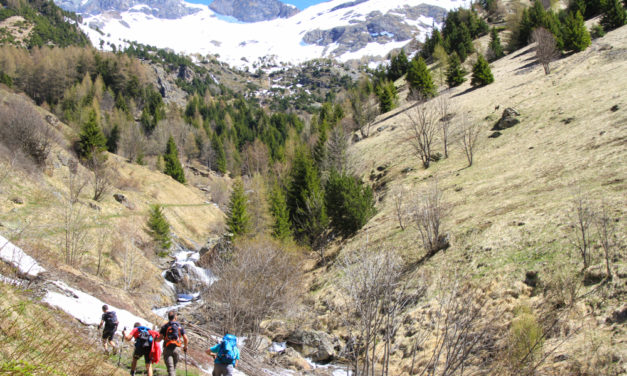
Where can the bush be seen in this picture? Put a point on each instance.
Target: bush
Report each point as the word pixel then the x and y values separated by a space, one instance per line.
pixel 597 31
pixel 23 130
pixel 525 340
pixel 614 15
pixel 350 203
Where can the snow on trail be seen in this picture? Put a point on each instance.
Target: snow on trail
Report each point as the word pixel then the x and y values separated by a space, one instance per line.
pixel 86 308
pixel 12 254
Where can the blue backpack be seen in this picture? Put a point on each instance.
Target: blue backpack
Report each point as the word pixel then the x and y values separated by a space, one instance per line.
pixel 227 353
pixel 144 339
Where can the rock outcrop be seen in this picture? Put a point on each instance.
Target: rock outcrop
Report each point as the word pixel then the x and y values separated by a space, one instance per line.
pixel 253 10
pixel 316 345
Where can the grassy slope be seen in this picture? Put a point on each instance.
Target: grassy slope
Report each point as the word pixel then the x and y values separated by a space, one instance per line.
pixel 509 210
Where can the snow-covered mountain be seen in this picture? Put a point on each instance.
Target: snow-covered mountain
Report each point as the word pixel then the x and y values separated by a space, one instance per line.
pixel 341 29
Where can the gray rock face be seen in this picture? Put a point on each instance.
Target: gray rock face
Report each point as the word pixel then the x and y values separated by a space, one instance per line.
pixel 507 120
pixel 253 10
pixel 169 9
pixel 378 27
pixel 317 345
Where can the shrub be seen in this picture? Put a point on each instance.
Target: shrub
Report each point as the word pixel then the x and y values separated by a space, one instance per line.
pixel 597 31
pixel 525 340
pixel 614 15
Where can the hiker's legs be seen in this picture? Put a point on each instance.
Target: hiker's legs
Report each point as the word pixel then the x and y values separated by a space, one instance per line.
pixel 149 368
pixel 133 364
pixel 222 370
pixel 170 358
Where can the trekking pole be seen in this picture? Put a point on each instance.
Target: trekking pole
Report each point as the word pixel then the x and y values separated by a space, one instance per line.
pixel 121 348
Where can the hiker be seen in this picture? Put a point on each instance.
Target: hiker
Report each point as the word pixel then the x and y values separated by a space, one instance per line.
pixel 226 355
pixel 144 338
pixel 172 333
pixel 110 322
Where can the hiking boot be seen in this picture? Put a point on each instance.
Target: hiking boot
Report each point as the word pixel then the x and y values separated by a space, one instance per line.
pixel 132 373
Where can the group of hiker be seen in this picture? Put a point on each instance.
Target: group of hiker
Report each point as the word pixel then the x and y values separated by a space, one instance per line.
pixel 225 354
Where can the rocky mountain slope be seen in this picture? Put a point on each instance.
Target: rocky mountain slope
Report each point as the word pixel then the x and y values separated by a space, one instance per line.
pixel 253 10
pixel 337 29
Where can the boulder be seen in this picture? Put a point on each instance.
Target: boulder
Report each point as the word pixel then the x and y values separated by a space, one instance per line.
pixel 122 200
pixel 507 120
pixel 291 359
pixel 174 274
pixel 619 316
pixel 316 345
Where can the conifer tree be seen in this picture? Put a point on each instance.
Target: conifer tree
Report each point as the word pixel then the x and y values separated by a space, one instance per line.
pixel 386 92
pixel 172 165
pixel 238 220
pixel 320 149
pixel 496 49
pixel 220 155
pixel 92 140
pixel 614 15
pixel 481 73
pixel 398 66
pixel 113 139
pixel 419 78
pixel 455 73
pixel 576 36
pixel 350 203
pixel 158 227
pixel 281 228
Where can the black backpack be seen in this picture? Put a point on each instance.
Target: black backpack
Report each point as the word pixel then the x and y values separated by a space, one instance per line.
pixel 110 319
pixel 144 339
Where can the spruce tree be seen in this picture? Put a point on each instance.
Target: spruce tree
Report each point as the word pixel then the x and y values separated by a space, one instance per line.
pixel 158 227
pixel 398 66
pixel 386 92
pixel 481 73
pixel 281 228
pixel 92 140
pixel 320 149
pixel 455 73
pixel 238 220
pixel 419 78
pixel 172 165
pixel 220 155
pixel 495 45
pixel 614 15
pixel 350 203
pixel 576 36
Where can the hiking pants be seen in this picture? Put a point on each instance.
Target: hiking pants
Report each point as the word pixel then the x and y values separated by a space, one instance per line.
pixel 222 370
pixel 171 358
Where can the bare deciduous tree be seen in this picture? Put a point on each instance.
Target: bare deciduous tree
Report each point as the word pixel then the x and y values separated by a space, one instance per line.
pixel 581 218
pixel 75 220
pixel 23 129
pixel 428 212
pixel 606 233
pixel 546 47
pixel 400 197
pixel 443 104
pixel 255 158
pixel 468 138
pixel 364 110
pixel 259 279
pixel 101 181
pixel 420 131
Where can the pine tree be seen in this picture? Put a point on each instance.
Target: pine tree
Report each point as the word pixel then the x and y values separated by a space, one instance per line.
pixel 281 228
pixel 172 165
pixel 113 139
pixel 238 221
pixel 614 15
pixel 576 36
pixel 350 203
pixel 455 73
pixel 92 140
pixel 496 49
pixel 419 78
pixel 158 227
pixel 481 73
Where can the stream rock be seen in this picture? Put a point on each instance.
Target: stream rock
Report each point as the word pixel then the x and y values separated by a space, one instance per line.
pixel 317 345
pixel 174 274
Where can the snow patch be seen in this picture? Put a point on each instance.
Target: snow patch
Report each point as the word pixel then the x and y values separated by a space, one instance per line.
pixel 12 254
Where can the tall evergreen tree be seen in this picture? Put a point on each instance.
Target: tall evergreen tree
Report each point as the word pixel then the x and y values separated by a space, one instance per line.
pixel 386 92
pixel 576 36
pixel 495 45
pixel 614 15
pixel 220 155
pixel 419 78
pixel 92 140
pixel 455 73
pixel 305 199
pixel 158 227
pixel 171 159
pixel 113 139
pixel 238 220
pixel 320 149
pixel 281 228
pixel 481 73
